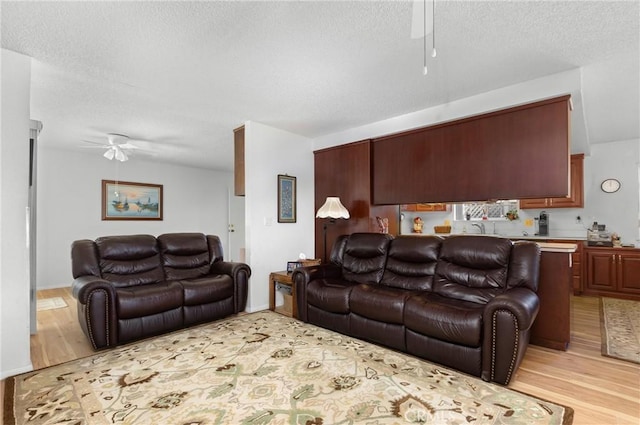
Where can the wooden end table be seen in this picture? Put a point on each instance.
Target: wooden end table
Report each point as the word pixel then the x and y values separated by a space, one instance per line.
pixel 283 278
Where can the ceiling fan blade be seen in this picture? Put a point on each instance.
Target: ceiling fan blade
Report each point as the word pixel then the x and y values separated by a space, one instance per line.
pixel 94 144
pixel 120 155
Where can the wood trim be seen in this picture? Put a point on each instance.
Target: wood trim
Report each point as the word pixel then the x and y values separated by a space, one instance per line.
pixel 238 162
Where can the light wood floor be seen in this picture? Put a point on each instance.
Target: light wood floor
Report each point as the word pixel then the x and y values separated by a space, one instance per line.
pixel 601 390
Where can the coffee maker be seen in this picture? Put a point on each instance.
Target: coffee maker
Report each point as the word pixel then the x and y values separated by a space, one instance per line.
pixel 543 224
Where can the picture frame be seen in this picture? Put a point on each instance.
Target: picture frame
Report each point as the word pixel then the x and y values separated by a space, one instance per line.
pixel 292 265
pixel 131 201
pixel 286 199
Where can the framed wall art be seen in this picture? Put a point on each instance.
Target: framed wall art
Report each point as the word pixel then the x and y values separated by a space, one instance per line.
pixel 131 201
pixel 286 199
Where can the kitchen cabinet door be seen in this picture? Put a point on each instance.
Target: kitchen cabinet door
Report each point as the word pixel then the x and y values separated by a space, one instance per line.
pixel 628 273
pixel 576 191
pixel 613 272
pixel 432 207
pixel 601 270
pixel 534 203
pixel 518 152
pixel 576 194
pixel 425 207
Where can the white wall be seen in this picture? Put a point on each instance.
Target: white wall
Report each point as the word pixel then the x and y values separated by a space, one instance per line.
pixel 69 203
pixel 269 152
pixel 568 82
pixel 619 210
pixel 14 186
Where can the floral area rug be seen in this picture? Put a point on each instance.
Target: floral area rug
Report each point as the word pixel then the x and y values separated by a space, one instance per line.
pixel 263 368
pixel 620 326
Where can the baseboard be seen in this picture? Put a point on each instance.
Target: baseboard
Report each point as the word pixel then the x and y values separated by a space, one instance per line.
pixel 7 373
pixel 250 309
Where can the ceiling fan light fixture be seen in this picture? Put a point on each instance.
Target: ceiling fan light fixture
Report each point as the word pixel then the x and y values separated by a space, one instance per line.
pixel 109 154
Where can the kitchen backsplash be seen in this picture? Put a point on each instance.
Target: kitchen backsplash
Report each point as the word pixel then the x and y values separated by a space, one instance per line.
pixel 562 223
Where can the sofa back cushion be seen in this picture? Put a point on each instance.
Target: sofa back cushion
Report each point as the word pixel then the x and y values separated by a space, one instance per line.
pixel 184 255
pixel 215 249
pixel 84 259
pixel 472 268
pixel 411 262
pixel 364 256
pixel 129 260
pixel 524 266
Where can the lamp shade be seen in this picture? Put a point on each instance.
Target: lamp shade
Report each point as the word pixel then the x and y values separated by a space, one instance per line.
pixel 332 208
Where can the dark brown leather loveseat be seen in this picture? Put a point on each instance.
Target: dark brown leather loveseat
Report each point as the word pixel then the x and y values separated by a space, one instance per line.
pixel 134 286
pixel 466 302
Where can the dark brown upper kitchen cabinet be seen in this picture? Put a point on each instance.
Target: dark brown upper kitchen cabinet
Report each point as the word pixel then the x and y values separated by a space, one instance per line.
pixel 576 193
pixel 345 171
pixel 516 153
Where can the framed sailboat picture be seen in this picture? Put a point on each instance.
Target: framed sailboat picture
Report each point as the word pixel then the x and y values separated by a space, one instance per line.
pixel 131 201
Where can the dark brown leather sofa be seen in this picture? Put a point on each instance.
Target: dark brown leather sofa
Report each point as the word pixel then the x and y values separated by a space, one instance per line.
pixel 135 286
pixel 466 302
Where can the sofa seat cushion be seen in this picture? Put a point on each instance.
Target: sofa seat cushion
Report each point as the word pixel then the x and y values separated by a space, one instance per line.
pixel 146 300
pixel 446 319
pixel 207 289
pixel 378 302
pixel 331 295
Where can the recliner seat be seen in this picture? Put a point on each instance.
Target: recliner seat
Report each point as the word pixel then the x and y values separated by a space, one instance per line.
pixel 135 286
pixel 467 302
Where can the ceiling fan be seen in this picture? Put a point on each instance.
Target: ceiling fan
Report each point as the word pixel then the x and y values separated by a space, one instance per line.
pixel 119 147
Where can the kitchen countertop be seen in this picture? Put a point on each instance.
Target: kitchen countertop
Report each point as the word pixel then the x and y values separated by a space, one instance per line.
pixel 555 238
pixel 544 246
pixel 557 247
pixel 512 237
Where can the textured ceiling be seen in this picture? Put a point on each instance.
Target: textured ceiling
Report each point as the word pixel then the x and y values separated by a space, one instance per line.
pixel 182 75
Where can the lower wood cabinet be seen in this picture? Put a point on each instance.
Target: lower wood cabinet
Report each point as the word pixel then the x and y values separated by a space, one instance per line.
pixel 552 327
pixel 577 262
pixel 612 272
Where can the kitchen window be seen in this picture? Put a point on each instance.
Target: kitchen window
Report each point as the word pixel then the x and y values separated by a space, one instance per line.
pixel 496 211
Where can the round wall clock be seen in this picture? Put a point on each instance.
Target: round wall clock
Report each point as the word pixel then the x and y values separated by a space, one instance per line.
pixel 610 185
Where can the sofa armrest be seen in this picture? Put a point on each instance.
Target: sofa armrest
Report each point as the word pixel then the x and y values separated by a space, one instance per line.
pixel 83 286
pixel 240 273
pixel 507 321
pixel 521 302
pixel 97 310
pixel 301 278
